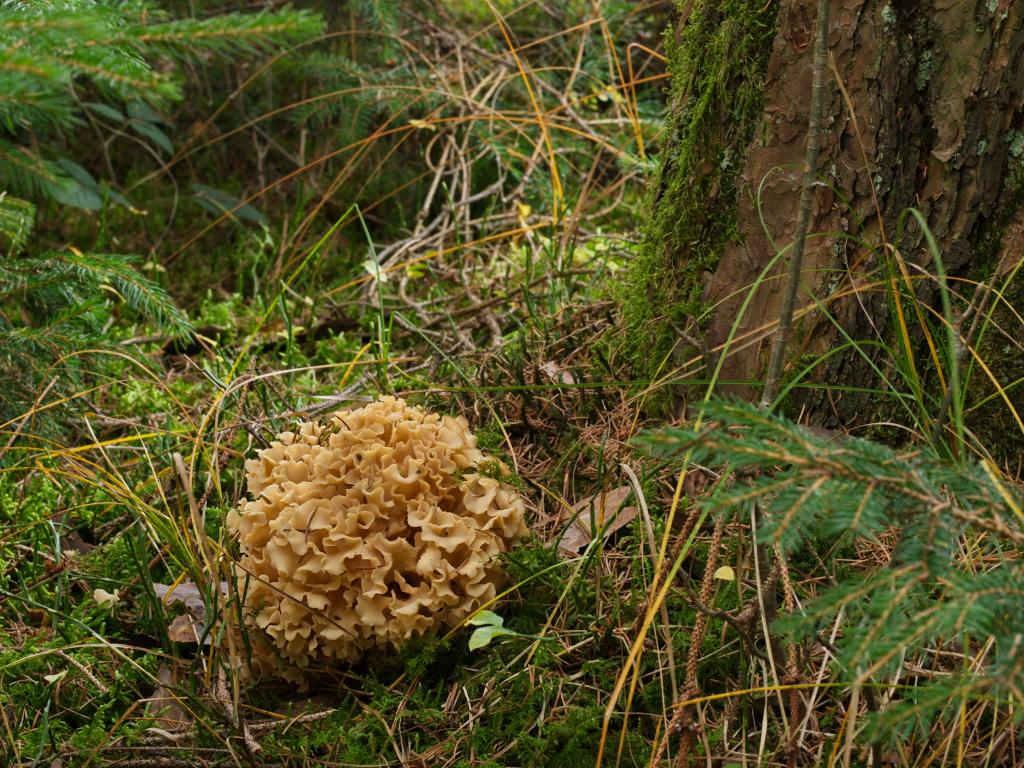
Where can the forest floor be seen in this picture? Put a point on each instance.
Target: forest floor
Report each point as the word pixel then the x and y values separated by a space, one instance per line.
pixel 493 292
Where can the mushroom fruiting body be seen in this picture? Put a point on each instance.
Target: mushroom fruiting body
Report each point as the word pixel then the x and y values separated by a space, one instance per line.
pixel 367 531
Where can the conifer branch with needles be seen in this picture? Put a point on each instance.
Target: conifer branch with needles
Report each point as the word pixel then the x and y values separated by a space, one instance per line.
pixel 48 49
pixel 934 593
pixel 54 303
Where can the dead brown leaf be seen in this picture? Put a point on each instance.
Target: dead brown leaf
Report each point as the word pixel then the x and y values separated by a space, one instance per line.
pixel 186 593
pixel 163 706
pixel 185 628
pixel 556 373
pixel 695 481
pixel 608 513
pixel 189 626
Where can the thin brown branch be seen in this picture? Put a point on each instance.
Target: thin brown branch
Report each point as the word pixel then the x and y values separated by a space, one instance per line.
pixel 771 383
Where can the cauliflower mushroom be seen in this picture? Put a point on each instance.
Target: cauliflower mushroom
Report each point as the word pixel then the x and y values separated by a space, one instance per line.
pixel 367 531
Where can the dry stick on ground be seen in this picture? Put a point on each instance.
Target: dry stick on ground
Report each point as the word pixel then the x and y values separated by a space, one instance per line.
pixel 792 670
pixel 684 723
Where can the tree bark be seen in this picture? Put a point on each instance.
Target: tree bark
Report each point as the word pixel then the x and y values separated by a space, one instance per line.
pixel 924 108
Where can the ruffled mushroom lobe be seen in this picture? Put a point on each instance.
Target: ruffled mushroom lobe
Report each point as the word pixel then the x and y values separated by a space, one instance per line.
pixel 365 532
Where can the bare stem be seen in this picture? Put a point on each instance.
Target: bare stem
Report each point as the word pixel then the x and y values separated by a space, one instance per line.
pixel 771 383
pixel 769 598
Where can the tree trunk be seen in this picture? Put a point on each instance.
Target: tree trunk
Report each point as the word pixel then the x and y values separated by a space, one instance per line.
pixel 924 108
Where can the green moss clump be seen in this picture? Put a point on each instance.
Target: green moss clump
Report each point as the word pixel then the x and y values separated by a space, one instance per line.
pixel 717 65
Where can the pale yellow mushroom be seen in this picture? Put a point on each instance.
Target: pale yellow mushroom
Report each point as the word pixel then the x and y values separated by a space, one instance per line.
pixel 365 532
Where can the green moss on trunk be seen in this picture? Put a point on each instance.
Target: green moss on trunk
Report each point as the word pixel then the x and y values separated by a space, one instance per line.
pixel 717 59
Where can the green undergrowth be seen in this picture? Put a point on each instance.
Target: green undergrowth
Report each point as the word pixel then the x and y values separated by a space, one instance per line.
pixel 444 700
pixel 93 679
pixel 1001 334
pixel 549 713
pixel 989 418
pixel 930 593
pixel 505 310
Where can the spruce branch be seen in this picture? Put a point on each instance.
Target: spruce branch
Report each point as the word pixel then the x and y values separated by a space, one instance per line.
pixel 928 598
pixel 49 48
pixel 17 218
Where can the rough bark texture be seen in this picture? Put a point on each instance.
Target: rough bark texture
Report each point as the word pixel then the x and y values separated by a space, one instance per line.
pixel 937 88
pixel 717 54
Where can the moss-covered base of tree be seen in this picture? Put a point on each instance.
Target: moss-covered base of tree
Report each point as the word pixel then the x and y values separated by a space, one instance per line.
pixel 717 60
